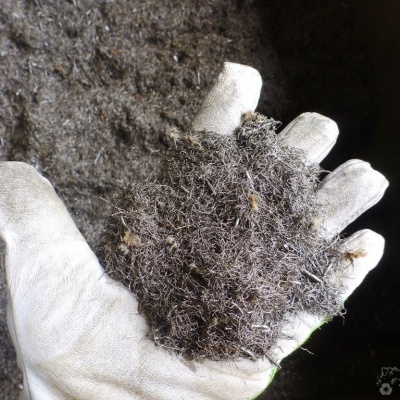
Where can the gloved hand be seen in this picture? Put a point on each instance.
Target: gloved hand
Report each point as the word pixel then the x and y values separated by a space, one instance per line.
pixel 77 332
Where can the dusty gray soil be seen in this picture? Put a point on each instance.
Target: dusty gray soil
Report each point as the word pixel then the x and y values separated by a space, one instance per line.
pixel 89 90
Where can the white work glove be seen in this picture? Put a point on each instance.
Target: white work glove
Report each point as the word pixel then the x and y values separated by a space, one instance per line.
pixel 77 332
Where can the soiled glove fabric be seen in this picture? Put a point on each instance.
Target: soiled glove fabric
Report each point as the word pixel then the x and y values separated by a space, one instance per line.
pixel 77 332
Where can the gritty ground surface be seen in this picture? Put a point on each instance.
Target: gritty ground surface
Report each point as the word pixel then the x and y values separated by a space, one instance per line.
pixel 89 89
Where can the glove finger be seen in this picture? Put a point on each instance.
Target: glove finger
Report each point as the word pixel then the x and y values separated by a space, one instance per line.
pixel 296 331
pixel 345 194
pixel 235 92
pixel 361 253
pixel 313 133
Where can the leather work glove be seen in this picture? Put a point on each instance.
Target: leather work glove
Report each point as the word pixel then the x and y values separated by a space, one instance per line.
pixel 77 332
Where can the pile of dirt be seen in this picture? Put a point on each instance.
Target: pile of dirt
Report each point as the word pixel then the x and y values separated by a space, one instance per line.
pixel 92 88
pixel 220 248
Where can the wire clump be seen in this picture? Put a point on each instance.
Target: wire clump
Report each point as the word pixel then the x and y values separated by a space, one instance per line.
pixel 219 249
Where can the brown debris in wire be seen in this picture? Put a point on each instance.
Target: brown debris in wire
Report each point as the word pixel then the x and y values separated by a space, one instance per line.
pixel 219 248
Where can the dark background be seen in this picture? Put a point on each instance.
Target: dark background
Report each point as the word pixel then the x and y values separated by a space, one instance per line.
pixel 133 66
pixel 348 354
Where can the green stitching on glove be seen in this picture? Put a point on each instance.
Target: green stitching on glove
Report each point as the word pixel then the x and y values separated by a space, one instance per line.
pixel 271 377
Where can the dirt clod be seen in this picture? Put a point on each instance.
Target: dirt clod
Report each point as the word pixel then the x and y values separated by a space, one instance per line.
pixel 227 252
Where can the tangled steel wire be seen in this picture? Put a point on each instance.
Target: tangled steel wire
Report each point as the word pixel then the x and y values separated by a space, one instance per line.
pixel 219 248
